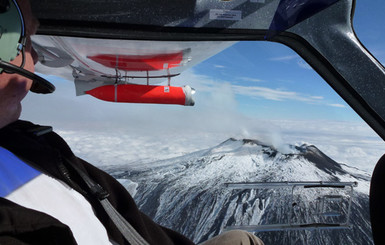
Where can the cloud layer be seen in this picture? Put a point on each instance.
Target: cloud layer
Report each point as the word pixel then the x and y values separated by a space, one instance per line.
pixel 109 133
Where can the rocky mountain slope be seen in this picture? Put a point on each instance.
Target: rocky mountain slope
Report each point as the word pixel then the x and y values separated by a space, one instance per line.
pixel 190 193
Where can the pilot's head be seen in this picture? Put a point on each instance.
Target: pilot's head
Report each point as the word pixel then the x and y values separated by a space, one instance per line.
pixel 14 87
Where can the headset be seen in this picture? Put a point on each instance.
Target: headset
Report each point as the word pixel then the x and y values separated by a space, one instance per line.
pixel 12 43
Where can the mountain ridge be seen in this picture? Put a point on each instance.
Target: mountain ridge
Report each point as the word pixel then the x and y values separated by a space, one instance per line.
pixel 188 193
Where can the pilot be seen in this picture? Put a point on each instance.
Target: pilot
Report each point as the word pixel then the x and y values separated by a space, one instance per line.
pixel 47 194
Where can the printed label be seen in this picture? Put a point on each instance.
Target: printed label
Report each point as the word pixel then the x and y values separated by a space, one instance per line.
pixel 224 14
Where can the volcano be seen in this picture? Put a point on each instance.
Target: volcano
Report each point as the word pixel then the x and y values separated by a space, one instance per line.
pixel 190 194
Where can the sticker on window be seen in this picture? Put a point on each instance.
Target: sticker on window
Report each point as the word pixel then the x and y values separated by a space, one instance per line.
pixel 224 14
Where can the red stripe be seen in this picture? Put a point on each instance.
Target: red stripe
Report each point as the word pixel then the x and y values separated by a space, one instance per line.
pixel 139 62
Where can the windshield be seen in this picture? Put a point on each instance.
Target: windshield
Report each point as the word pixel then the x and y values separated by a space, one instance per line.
pixel 262 114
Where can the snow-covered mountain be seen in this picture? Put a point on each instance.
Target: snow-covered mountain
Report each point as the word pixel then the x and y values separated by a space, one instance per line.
pixel 189 193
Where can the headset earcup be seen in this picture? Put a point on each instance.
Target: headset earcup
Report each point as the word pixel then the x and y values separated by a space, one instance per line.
pixel 4 6
pixel 11 32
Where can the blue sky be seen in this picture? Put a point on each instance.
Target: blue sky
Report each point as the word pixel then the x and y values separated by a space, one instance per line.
pixel 284 86
pixel 305 95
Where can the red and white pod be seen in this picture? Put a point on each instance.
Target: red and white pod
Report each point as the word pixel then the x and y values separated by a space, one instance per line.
pixel 135 93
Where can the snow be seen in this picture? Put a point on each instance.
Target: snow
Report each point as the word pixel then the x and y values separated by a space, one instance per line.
pixel 107 149
pixel 188 193
pixel 130 186
pixel 351 144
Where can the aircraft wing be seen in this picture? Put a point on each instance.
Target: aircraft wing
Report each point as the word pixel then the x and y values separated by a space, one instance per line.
pixel 99 65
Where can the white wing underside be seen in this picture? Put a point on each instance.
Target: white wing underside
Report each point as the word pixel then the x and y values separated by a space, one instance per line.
pixel 96 62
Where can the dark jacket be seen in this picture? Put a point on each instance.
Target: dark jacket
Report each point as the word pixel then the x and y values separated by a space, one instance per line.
pixel 50 154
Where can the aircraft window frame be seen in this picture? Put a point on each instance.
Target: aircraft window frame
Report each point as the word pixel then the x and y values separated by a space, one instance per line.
pixel 363 98
pixel 295 38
